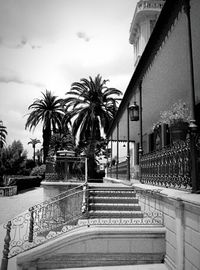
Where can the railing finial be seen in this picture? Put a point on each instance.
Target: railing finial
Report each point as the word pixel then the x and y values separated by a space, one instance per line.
pixel 4 261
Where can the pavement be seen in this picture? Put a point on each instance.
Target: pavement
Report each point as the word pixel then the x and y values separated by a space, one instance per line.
pixel 15 205
pixel 12 206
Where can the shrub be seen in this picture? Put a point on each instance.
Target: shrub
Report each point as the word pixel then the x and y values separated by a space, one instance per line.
pixel 38 171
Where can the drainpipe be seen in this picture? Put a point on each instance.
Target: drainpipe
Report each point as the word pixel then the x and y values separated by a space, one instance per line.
pixel 128 147
pixel 141 130
pixel 111 156
pixel 192 125
pixel 117 161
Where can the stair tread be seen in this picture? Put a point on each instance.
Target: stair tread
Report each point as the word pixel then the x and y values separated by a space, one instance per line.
pixel 114 211
pixel 112 192
pixel 104 198
pixel 115 204
pixel 112 189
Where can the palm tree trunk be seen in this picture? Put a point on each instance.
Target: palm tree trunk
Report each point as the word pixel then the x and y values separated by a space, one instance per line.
pixel 34 154
pixel 46 142
pixel 91 155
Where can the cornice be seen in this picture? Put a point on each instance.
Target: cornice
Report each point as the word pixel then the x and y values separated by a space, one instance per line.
pixel 144 9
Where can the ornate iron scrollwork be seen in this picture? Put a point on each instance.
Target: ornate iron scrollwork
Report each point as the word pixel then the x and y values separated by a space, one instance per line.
pixel 169 167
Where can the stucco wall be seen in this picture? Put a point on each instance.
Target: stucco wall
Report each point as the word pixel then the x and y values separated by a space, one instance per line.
pixel 182 222
pixel 192 237
pixel 195 23
pixel 168 78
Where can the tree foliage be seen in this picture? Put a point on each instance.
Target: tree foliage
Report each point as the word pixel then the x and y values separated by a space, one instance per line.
pixel 3 133
pixel 13 159
pixel 34 142
pixel 61 141
pixel 47 110
pixel 92 105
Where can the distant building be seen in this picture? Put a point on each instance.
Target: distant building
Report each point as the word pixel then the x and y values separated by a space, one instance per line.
pixel 144 20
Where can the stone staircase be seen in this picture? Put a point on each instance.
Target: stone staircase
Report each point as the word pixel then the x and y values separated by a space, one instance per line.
pixel 102 243
pixel 105 202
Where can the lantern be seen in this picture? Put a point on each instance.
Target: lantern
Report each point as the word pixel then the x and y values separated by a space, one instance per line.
pixel 134 112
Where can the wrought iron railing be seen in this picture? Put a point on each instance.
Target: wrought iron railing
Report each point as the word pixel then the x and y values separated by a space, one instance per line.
pixel 118 170
pixel 45 221
pixel 169 167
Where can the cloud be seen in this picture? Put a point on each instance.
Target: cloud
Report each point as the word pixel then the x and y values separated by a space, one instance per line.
pixel 12 78
pixel 36 47
pixel 22 43
pixel 18 44
pixel 83 35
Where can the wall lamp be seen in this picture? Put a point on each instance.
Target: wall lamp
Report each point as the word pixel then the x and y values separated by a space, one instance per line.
pixel 134 112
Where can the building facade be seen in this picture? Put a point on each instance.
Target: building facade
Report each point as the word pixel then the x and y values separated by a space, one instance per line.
pixel 144 20
pixel 167 71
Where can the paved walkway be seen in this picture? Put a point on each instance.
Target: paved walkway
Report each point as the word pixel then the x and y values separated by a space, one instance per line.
pixel 13 206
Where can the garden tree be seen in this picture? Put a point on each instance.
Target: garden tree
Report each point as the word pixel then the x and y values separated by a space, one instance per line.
pixel 3 133
pixel 62 138
pixel 13 159
pixel 34 142
pixel 38 154
pixel 49 111
pixel 62 141
pixel 92 105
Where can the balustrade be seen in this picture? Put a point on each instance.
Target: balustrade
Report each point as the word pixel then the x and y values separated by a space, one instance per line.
pixel 122 170
pixel 149 5
pixel 170 166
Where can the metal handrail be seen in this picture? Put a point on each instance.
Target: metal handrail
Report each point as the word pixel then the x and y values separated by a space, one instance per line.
pixel 43 222
pixel 57 197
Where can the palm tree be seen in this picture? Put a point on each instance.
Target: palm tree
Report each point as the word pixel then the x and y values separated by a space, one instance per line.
pixel 34 142
pixel 93 105
pixel 49 111
pixel 38 154
pixel 3 133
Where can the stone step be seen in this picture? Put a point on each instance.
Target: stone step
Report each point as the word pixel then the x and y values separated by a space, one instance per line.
pixel 155 266
pixel 114 200
pixel 112 193
pixel 115 214
pixel 114 206
pixel 92 246
pixel 99 261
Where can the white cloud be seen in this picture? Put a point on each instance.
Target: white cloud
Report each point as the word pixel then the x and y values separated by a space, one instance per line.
pixel 49 44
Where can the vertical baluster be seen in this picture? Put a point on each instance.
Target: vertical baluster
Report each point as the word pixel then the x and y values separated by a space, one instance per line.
pixel 4 261
pixel 30 238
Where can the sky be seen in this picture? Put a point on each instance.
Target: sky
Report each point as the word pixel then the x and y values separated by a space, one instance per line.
pixel 49 44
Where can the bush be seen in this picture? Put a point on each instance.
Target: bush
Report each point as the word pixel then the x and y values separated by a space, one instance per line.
pixel 39 171
pixel 24 182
